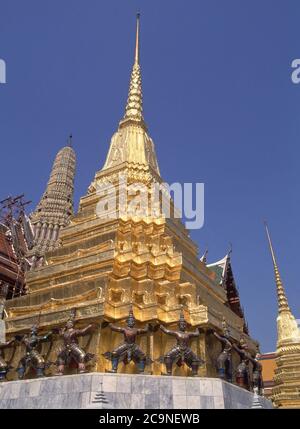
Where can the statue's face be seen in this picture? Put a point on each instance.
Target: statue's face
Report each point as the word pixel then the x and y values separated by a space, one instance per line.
pixel 70 324
pixel 182 325
pixel 243 345
pixel 33 330
pixel 130 322
pixel 226 333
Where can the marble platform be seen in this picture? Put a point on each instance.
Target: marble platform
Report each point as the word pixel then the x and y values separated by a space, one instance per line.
pixel 2 331
pixel 119 391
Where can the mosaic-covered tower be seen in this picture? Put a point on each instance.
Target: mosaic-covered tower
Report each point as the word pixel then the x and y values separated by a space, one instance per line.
pixel 56 205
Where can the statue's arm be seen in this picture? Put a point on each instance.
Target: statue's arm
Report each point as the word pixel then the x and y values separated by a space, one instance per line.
pixel 10 342
pixel 194 334
pixel 252 360
pixel 167 331
pixel 237 349
pixel 218 336
pixel 46 337
pixel 84 331
pixel 143 330
pixel 7 344
pixel 116 328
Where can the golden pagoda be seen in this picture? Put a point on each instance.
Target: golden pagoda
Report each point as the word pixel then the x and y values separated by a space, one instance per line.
pixel 104 265
pixel 286 390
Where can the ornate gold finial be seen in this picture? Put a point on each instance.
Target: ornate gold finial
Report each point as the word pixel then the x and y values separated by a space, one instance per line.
pixel 282 299
pixel 134 106
pixel 204 256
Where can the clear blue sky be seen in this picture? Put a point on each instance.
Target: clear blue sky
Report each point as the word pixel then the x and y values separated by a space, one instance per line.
pixel 218 100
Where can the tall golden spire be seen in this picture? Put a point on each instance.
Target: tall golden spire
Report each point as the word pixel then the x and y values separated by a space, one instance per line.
pixel 285 392
pixel 287 328
pixel 134 105
pixel 282 299
pixel 131 145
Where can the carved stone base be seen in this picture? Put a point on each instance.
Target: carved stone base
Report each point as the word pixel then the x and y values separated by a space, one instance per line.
pixel 124 391
pixel 2 331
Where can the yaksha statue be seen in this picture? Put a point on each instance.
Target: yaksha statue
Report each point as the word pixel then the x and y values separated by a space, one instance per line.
pixel 181 353
pixel 128 350
pixel 257 379
pixel 4 366
pixel 33 358
pixel 243 373
pixel 71 350
pixel 224 361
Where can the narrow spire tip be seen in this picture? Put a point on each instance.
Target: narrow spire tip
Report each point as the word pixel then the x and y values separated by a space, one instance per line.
pixel 282 299
pixel 137 42
pixel 70 141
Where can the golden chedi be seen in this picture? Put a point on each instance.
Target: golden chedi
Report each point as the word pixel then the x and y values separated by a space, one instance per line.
pixel 106 264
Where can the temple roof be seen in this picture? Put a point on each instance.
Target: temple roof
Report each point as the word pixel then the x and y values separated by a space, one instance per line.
pixel 13 248
pixel 8 260
pixel 225 278
pixel 219 268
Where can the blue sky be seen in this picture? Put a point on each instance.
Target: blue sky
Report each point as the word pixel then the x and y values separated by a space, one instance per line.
pixel 218 100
